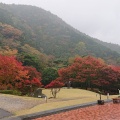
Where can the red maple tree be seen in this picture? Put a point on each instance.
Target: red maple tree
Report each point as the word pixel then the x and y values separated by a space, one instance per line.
pixel 33 82
pixel 82 70
pixel 11 72
pixel 55 86
pixel 13 75
pixel 91 72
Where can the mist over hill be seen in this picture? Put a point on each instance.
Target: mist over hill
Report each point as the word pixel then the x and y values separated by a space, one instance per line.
pixel 29 28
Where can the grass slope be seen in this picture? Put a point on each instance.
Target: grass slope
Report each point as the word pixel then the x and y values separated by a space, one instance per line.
pixel 66 97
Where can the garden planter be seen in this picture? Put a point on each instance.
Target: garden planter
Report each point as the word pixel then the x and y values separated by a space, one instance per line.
pixel 100 102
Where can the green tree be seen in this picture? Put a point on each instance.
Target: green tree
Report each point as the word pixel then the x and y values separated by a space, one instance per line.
pixel 31 60
pixel 48 75
pixel 81 48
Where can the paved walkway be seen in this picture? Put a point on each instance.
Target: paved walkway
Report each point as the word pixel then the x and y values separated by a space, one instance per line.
pixel 109 111
pixel 12 103
pixel 4 113
pixel 9 104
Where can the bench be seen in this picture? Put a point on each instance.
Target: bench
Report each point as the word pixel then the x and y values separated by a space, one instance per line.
pixel 116 100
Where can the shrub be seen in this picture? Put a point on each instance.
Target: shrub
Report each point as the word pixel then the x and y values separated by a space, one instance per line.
pixel 12 92
pixel 6 91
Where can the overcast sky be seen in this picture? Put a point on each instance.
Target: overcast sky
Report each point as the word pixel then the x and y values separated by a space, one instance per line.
pixel 97 18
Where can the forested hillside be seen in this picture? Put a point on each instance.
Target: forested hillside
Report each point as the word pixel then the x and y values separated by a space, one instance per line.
pixel 114 47
pixel 29 29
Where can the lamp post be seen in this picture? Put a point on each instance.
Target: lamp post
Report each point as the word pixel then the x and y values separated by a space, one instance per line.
pixel 119 91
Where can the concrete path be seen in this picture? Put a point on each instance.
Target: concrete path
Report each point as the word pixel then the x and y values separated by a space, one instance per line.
pixel 10 104
pixel 4 113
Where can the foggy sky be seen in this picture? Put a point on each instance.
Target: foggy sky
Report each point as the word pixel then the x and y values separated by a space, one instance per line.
pixel 96 18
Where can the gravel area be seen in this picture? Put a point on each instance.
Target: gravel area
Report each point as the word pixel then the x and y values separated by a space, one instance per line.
pixel 12 103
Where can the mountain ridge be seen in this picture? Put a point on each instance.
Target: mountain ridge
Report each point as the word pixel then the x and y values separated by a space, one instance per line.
pixel 50 35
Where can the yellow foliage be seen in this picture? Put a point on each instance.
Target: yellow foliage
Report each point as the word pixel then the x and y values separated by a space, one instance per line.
pixel 7 51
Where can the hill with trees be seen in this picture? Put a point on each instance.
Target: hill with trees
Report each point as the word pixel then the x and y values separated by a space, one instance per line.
pixel 32 30
pixel 38 49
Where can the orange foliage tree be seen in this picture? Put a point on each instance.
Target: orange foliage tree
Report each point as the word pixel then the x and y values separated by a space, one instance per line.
pixel 11 72
pixel 15 76
pixel 34 80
